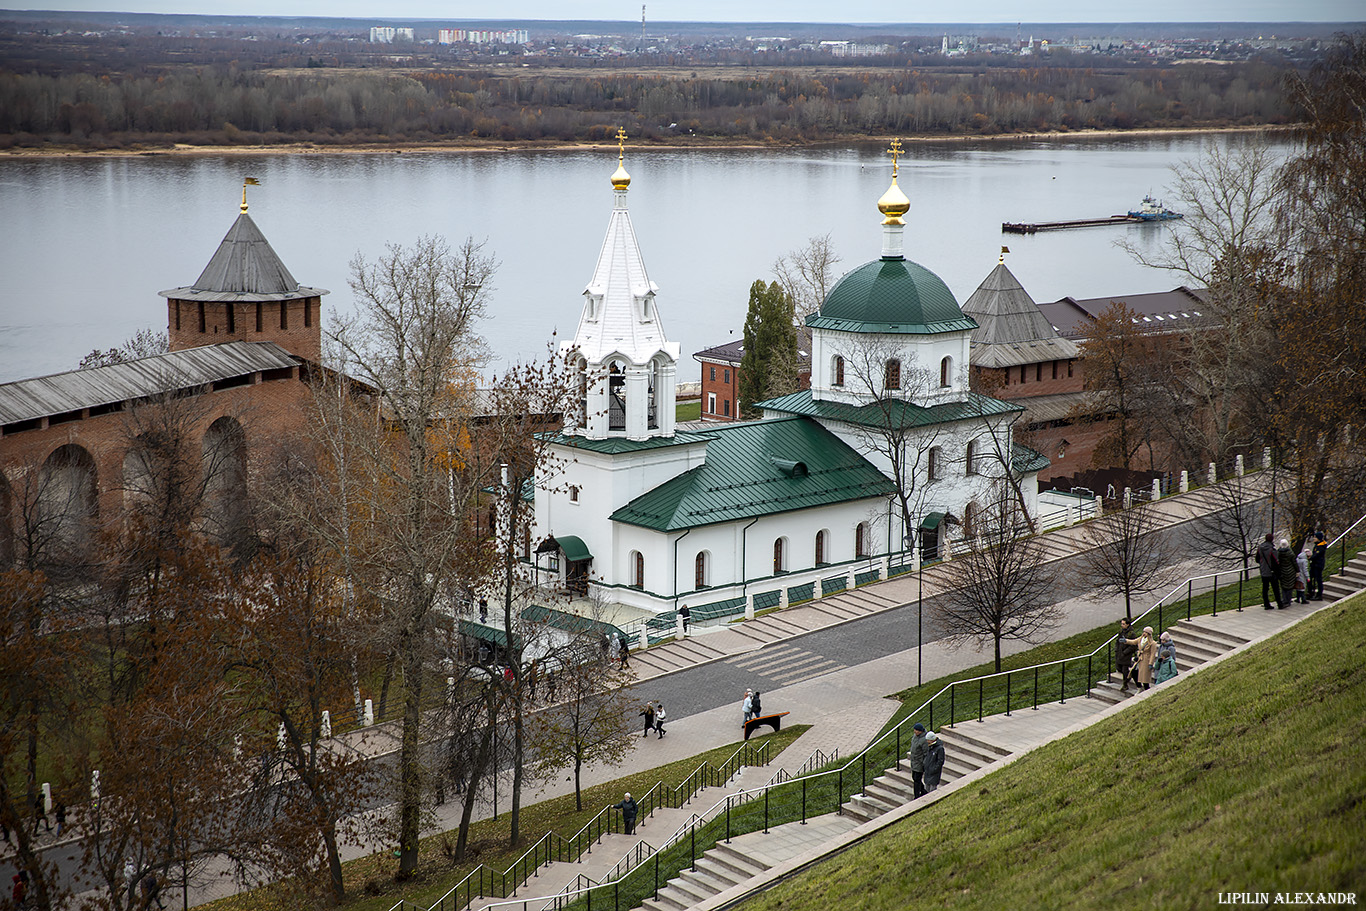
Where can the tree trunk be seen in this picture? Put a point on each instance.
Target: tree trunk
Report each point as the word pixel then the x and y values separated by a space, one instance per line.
pixel 481 763
pixel 409 763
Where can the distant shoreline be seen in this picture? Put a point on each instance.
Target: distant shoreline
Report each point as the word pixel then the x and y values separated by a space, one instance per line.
pixel 464 146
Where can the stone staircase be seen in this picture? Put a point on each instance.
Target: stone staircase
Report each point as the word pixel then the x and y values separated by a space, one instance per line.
pixel 962 754
pixel 1196 642
pixel 717 870
pixel 1351 580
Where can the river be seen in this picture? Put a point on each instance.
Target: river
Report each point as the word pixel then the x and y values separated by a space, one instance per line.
pixel 90 241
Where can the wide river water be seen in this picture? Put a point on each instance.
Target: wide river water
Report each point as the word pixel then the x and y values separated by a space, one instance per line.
pixel 88 242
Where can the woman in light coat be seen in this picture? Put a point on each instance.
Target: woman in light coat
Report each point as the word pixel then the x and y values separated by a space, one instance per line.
pixel 1146 656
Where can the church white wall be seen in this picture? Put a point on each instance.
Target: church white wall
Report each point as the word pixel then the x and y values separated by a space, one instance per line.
pixel 741 551
pixel 864 355
pixel 604 484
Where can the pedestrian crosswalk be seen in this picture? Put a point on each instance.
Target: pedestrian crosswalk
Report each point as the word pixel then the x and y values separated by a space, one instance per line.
pixel 784 664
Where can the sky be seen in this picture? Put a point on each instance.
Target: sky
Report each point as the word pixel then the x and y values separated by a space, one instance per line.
pixel 849 11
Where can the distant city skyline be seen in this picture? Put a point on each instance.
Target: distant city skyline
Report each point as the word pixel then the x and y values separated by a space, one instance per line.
pixel 856 12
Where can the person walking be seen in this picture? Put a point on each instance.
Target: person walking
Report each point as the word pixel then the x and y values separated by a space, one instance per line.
pixel 649 714
pixel 1317 558
pixel 686 614
pixel 151 890
pixel 1302 574
pixel 918 750
pixel 1285 566
pixel 483 610
pixel 1166 660
pixel 659 720
pixel 40 814
pixel 628 810
pixel 755 709
pixel 625 650
pixel 1146 654
pixel 59 811
pixel 1268 566
pixel 19 891
pixel 1124 654
pixel 748 705
pixel 934 761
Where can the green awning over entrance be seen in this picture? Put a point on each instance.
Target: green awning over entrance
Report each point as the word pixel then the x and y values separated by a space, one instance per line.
pixel 573 547
pixel 571 623
pixel 931 521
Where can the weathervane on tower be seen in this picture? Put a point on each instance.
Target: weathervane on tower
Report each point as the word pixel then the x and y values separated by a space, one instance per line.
pixel 248 182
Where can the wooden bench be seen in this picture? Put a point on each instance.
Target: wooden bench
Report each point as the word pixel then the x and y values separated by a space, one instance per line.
pixel 774 721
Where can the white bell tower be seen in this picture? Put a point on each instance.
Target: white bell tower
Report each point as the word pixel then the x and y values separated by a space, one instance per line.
pixel 628 369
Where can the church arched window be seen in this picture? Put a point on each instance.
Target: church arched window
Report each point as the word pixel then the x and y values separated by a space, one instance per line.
pixel 821 537
pixel 637 569
pixel 946 372
pixel 701 571
pixel 837 371
pixel 861 540
pixel 892 380
pixel 779 556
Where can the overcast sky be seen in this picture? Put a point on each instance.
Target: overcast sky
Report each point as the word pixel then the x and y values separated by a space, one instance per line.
pixel 965 11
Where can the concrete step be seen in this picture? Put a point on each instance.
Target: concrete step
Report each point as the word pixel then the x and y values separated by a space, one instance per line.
pixel 745 867
pixel 860 812
pixel 719 871
pixel 1203 634
pixel 889 791
pixel 961 745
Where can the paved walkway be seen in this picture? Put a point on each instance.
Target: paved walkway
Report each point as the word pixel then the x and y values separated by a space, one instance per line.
pixel 846 707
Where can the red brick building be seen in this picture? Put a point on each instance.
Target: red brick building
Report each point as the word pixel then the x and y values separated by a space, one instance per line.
pixel 721 376
pixel 243 340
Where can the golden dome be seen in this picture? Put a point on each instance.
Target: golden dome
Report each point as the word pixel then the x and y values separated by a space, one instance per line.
pixel 893 205
pixel 620 179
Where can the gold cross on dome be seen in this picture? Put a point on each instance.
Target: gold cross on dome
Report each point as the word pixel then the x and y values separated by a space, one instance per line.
pixel 621 143
pixel 894 151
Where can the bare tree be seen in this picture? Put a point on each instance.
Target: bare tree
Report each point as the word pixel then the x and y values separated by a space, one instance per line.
pixel 808 273
pixel 589 723
pixel 1002 586
pixel 1130 554
pixel 1240 517
pixel 144 343
pixel 1224 246
pixel 413 343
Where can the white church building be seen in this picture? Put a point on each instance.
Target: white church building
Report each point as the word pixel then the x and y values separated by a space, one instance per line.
pixel 799 504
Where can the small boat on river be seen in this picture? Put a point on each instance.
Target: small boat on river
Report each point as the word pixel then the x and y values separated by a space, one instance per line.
pixel 1153 210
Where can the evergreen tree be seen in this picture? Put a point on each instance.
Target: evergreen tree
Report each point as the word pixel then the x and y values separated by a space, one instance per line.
pixel 769 365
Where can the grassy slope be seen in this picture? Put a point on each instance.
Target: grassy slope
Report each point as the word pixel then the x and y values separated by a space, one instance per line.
pixel 1248 778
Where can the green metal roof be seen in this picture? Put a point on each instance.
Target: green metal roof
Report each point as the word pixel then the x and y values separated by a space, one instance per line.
pixel 897 411
pixel 891 295
pixel 1025 460
pixel 931 520
pixel 485 632
pixel 619 445
pixel 749 472
pixel 571 623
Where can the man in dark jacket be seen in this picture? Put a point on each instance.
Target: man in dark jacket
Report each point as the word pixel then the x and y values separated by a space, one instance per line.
pixel 934 761
pixel 1285 566
pixel 628 810
pixel 1317 557
pixel 918 750
pixel 1268 564
pixel 1124 653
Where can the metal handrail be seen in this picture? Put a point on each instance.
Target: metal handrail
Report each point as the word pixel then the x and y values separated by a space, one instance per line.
pixel 698 778
pixel 713 813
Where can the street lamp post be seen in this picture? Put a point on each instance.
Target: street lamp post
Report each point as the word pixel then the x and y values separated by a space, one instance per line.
pixel 910 541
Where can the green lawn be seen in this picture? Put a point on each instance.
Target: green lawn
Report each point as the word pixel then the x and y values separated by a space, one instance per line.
pixel 1249 778
pixel 688 411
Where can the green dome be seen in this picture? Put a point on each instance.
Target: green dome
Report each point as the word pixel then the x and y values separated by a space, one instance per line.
pixel 891 295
